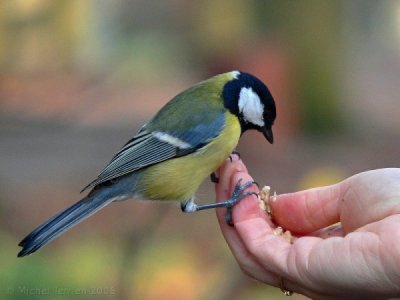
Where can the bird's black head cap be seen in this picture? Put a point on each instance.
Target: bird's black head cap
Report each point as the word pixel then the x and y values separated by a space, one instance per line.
pixel 249 98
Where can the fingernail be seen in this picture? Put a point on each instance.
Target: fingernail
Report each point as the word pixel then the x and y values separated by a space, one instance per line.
pixel 274 197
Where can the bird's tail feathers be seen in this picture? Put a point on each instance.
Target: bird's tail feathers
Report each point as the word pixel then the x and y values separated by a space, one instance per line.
pixel 61 222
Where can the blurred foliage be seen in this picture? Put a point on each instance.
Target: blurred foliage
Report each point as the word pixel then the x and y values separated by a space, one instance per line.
pixel 176 271
pixel 312 30
pixel 321 176
pixel 84 272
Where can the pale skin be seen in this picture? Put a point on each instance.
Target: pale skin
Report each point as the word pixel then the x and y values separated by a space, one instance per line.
pixel 357 259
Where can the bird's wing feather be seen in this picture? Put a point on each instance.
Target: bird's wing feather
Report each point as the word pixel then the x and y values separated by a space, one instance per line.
pixel 148 148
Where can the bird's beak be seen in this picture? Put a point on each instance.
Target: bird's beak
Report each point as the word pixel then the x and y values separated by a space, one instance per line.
pixel 268 134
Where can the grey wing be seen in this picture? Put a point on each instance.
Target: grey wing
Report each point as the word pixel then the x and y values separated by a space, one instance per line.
pixel 143 150
pixel 148 148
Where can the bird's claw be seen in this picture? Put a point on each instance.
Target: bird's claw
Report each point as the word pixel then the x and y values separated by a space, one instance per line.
pixel 234 152
pixel 214 178
pixel 238 194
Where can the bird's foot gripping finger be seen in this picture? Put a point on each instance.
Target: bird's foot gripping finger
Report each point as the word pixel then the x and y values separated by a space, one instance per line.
pixel 238 194
pixel 213 177
pixel 234 152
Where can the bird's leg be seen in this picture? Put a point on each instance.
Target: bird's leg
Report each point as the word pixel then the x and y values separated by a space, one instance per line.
pixel 238 194
pixel 213 177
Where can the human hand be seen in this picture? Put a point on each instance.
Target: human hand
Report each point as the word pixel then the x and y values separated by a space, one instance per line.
pixel 360 258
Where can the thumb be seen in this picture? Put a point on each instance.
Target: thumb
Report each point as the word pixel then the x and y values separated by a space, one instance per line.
pixel 309 210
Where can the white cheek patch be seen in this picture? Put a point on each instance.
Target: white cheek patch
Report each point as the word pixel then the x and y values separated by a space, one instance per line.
pixel 251 107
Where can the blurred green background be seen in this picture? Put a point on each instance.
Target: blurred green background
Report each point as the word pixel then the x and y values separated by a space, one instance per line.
pixel 79 77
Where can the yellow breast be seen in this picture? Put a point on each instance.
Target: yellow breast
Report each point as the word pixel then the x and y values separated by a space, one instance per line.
pixel 179 178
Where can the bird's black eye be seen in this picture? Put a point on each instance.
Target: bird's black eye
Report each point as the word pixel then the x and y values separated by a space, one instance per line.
pixel 265 96
pixel 231 93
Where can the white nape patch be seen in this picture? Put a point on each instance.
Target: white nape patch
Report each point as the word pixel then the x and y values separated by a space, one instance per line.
pixel 235 74
pixel 251 107
pixel 174 141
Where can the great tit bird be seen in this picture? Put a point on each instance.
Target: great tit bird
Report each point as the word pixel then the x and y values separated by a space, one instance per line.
pixel 170 156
